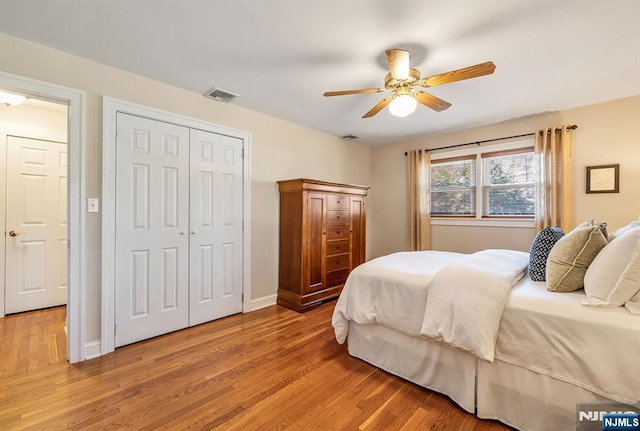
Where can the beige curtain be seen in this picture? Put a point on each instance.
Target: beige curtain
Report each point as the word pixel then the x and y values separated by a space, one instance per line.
pixel 418 165
pixel 555 188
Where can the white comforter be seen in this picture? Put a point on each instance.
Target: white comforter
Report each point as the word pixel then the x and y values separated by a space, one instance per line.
pixel 466 300
pixel 390 291
pixel 396 291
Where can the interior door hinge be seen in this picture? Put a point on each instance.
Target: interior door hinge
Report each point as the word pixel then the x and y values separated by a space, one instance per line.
pixel 114 329
pixel 243 153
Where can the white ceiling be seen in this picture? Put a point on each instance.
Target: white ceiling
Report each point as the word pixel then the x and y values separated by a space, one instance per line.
pixel 281 55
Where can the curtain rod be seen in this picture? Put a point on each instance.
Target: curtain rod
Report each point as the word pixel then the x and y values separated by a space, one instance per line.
pixel 572 127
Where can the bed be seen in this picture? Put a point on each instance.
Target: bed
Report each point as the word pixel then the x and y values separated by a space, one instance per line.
pixel 548 352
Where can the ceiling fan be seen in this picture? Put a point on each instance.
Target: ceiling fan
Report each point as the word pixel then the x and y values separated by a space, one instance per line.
pixel 405 82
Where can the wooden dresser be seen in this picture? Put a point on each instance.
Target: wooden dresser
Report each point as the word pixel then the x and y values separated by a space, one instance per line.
pixel 322 238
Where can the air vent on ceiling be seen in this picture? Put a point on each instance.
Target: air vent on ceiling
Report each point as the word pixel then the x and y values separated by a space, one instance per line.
pixel 350 137
pixel 220 95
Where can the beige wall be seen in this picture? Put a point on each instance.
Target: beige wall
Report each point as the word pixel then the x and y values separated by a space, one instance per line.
pixel 280 150
pixel 607 133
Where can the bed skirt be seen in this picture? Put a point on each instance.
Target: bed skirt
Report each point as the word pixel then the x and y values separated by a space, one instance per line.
pixel 518 397
pixel 433 366
pixel 527 400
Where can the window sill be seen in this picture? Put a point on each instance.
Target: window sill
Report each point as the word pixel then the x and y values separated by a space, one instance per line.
pixel 487 222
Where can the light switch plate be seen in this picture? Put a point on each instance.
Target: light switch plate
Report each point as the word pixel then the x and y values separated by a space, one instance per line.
pixel 92 205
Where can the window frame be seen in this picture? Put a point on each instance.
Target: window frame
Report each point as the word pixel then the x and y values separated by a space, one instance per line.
pixel 487 187
pixel 515 147
pixel 474 188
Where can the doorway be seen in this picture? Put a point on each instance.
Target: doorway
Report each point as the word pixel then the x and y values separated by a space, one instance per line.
pixel 35 205
pixel 73 102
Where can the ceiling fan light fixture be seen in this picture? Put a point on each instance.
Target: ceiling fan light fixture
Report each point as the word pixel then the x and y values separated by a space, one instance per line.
pixel 402 105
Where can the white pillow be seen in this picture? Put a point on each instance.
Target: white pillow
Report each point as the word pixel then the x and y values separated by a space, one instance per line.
pixel 613 277
pixel 633 305
pixel 623 229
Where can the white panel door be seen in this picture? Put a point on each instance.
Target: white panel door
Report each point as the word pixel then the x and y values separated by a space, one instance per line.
pixel 152 223
pixel 216 226
pixel 36 230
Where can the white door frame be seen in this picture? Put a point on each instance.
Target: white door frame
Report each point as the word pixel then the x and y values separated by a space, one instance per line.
pixel 76 203
pixel 110 107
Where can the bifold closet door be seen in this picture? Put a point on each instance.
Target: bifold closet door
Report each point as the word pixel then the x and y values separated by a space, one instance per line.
pixel 216 226
pixel 152 228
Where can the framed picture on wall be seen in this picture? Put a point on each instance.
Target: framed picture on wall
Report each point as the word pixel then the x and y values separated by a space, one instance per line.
pixel 603 179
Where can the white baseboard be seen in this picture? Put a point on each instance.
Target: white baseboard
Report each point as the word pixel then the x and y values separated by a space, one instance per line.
pixel 265 301
pixel 92 349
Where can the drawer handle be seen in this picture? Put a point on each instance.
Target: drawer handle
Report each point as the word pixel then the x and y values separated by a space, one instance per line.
pixel 338 217
pixel 337 262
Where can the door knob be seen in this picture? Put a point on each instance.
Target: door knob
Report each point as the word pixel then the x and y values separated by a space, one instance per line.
pixel 182 232
pixel 14 233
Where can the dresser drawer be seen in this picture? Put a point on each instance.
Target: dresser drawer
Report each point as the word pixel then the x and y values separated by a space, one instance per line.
pixel 339 261
pixel 338 231
pixel 338 217
pixel 337 247
pixel 337 202
pixel 336 278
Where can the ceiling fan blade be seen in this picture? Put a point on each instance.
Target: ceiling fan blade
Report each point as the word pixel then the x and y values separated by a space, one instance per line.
pixel 379 107
pixel 475 71
pixel 398 60
pixel 432 101
pixel 345 92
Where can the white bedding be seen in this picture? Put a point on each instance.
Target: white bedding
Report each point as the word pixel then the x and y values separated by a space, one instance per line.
pixel 466 299
pixel 550 333
pixel 390 290
pixel 545 332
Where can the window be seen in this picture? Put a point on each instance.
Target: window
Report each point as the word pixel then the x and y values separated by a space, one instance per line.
pixel 506 184
pixel 453 186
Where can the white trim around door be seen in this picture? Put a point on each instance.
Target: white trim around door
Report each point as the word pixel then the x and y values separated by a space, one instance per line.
pixel 110 108
pixel 77 281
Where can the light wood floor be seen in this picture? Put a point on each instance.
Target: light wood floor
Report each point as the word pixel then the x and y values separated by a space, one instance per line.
pixel 272 369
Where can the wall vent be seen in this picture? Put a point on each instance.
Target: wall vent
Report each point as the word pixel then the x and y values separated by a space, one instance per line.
pixel 220 95
pixel 350 137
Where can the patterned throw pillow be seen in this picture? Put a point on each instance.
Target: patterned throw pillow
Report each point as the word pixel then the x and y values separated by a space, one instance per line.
pixel 540 249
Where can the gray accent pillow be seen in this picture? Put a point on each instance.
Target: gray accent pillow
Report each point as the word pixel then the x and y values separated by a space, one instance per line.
pixel 571 256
